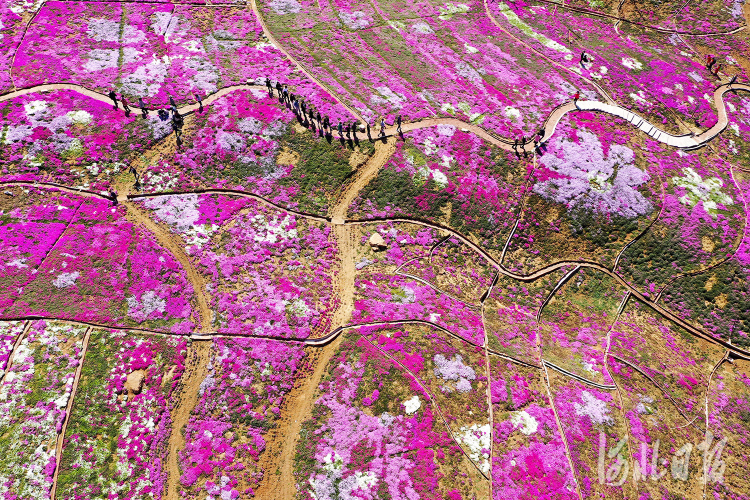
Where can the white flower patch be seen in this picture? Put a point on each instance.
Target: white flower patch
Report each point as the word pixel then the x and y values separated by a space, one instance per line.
pixel 355 20
pixel 735 128
pixel 454 370
pixel 104 30
pixel 149 303
pixel 389 97
pixel 446 130
pixel 230 141
pixel 99 59
pixel 79 117
pixel 412 405
pixel 512 113
pixel 529 31
pixel 695 76
pixel 450 8
pixel 273 230
pixel 632 63
pixel 22 6
pixel 282 7
pixel 18 263
pixel 525 423
pixel 477 439
pixel 64 280
pixel 470 49
pixel 593 408
pixel 146 79
pixel 397 25
pixel 708 191
pixel 436 175
pixel 423 28
pixel 466 71
pixel 35 109
pixel 299 309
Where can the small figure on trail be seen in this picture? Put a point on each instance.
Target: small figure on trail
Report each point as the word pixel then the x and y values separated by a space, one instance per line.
pixel 733 80
pixel 142 105
pixel 326 123
pixel 541 134
pixel 113 96
pixel 172 103
pixel 348 129
pixel 398 124
pixel 295 102
pixel 716 69
pixel 278 89
pixel 125 105
pixel 368 130
pixel 576 97
pixel 355 126
pixel 710 61
pixel 382 127
pixel 200 103
pixel 515 143
pixel 268 85
pixel 113 196
pixel 339 129
pixel 304 108
pixel 177 121
pixel 163 114
pixel 285 93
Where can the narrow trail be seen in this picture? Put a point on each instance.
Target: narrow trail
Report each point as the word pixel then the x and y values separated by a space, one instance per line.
pixel 362 177
pixel 168 241
pixel 195 372
pixel 278 481
pixel 594 13
pixel 682 141
pixel 17 342
pixel 61 436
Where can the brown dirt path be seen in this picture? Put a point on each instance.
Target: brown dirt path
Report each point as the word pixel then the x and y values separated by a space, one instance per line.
pixel 61 436
pixel 170 242
pixel 195 372
pixel 278 482
pixel 362 177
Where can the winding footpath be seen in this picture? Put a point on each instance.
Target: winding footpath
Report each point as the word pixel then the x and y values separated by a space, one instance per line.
pixel 688 141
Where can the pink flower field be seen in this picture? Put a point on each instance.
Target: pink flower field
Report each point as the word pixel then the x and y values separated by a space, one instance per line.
pixel 375 250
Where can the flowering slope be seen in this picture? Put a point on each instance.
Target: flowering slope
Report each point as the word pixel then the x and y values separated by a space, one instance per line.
pixel 33 398
pixel 239 402
pixel 116 440
pixel 375 434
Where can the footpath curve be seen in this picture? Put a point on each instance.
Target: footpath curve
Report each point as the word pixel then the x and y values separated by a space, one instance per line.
pixel 688 141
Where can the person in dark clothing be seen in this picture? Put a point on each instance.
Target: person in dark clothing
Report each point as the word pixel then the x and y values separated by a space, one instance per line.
pixel 200 103
pixel 142 105
pixel 355 126
pixel 317 117
pixel 268 85
pixel 163 115
pixel 368 131
pixel 340 129
pixel 286 93
pixel 113 196
pixel 113 96
pixel 125 105
pixel 541 134
pixel 327 123
pixel 171 102
pixel 382 127
pixel 347 130
pixel 398 124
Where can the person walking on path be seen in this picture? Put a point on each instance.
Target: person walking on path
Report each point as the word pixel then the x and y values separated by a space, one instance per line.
pixel 295 102
pixel 348 129
pixel 355 126
pixel 576 96
pixel 142 105
pixel 369 137
pixel 113 96
pixel 268 86
pixel 326 124
pixel 382 127
pixel 317 118
pixel 398 125
pixel 278 89
pixel 340 129
pixel 171 102
pixel 285 94
pixel 200 103
pixel 710 61
pixel 125 105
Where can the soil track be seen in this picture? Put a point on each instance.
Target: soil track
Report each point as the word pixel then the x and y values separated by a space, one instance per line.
pixel 195 372
pixel 169 241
